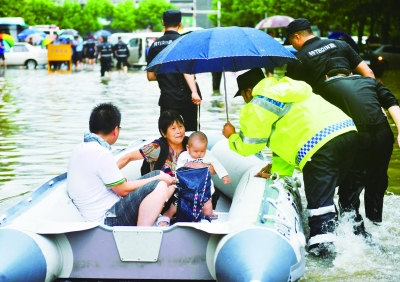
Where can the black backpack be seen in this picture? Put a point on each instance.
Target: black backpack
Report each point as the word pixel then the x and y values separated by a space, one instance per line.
pixel 162 157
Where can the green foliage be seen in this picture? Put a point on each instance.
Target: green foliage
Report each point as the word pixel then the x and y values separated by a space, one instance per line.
pixel 41 12
pixel 375 17
pixel 124 16
pixel 71 14
pixel 13 8
pixel 149 14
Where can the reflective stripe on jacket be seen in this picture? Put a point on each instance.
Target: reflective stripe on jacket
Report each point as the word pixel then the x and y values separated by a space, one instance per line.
pixel 288 118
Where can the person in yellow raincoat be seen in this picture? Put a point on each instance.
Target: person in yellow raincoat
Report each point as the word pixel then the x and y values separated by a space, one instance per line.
pixel 304 130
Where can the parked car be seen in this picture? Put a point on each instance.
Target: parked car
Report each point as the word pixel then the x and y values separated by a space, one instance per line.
pixel 390 54
pixel 375 62
pixel 24 54
pixel 138 44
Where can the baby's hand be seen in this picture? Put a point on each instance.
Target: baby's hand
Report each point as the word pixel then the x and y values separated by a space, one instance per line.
pixel 226 179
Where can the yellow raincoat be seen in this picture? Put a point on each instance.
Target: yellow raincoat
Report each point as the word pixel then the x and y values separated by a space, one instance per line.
pixel 291 120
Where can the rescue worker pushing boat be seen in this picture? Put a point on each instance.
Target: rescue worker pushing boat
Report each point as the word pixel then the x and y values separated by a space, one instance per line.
pixel 303 130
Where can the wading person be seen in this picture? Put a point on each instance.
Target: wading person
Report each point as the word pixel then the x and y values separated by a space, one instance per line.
pixel 362 98
pixel 96 185
pixel 313 52
pixel 179 92
pixel 303 130
pixel 105 50
pixel 122 54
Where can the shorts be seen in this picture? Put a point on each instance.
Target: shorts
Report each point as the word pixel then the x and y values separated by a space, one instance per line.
pixel 127 208
pixel 78 57
pixel 122 61
pixel 90 55
pixel 2 57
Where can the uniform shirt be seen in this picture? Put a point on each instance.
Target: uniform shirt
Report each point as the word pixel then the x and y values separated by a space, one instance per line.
pixel 175 92
pixel 313 56
pixel 79 46
pixel 90 46
pixel 121 50
pixel 92 172
pixel 106 50
pixel 359 97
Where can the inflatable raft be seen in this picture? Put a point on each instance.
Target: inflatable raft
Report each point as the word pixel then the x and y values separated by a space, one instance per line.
pixel 258 235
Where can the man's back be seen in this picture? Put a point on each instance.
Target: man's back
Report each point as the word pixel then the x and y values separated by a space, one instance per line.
pixel 175 92
pixel 313 56
pixel 121 50
pixel 91 167
pixel 359 97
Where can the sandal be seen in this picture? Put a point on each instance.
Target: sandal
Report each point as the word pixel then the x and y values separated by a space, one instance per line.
pixel 163 221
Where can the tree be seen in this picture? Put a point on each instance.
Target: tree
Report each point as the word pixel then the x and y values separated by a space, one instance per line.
pixel 124 16
pixel 71 13
pixel 149 14
pixel 41 12
pixel 13 8
pixel 92 10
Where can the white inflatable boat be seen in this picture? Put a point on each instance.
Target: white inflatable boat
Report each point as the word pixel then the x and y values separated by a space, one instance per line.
pixel 258 235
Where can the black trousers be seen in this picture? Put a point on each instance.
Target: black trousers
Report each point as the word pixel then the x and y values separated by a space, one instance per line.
pixel 369 170
pixel 105 64
pixel 189 115
pixel 322 174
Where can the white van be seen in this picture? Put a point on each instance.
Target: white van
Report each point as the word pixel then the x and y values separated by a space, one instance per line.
pixel 138 44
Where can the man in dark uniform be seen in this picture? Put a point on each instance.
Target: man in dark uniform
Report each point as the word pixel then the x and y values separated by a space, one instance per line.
pixel 362 98
pixel 313 52
pixel 105 50
pixel 122 53
pixel 179 91
pixel 90 50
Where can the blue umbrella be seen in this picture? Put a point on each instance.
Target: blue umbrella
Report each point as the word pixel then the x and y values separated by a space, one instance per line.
pixel 221 49
pixel 23 34
pixel 344 37
pixel 102 32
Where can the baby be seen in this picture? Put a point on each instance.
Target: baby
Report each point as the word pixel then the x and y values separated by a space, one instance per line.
pixel 197 153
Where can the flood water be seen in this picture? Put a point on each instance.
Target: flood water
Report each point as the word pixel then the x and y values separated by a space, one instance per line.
pixel 43 116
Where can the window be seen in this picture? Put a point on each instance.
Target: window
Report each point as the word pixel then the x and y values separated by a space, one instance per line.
pixel 20 48
pixel 134 42
pixel 392 49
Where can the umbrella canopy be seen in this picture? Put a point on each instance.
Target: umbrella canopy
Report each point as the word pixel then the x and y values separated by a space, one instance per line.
pixel 48 39
pixel 66 36
pixel 70 31
pixel 36 38
pixel 221 49
pixel 7 39
pixel 344 37
pixel 26 32
pixel 6 46
pixel 102 32
pixel 274 22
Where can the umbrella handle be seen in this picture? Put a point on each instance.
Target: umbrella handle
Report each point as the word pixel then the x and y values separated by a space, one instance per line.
pixel 226 96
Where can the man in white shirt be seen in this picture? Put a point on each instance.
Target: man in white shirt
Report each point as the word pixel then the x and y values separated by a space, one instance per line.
pixel 98 188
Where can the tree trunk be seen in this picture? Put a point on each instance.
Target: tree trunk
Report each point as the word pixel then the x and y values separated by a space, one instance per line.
pixel 361 25
pixel 385 29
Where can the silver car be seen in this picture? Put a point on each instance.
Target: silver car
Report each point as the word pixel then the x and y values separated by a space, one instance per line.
pixel 390 55
pixel 24 54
